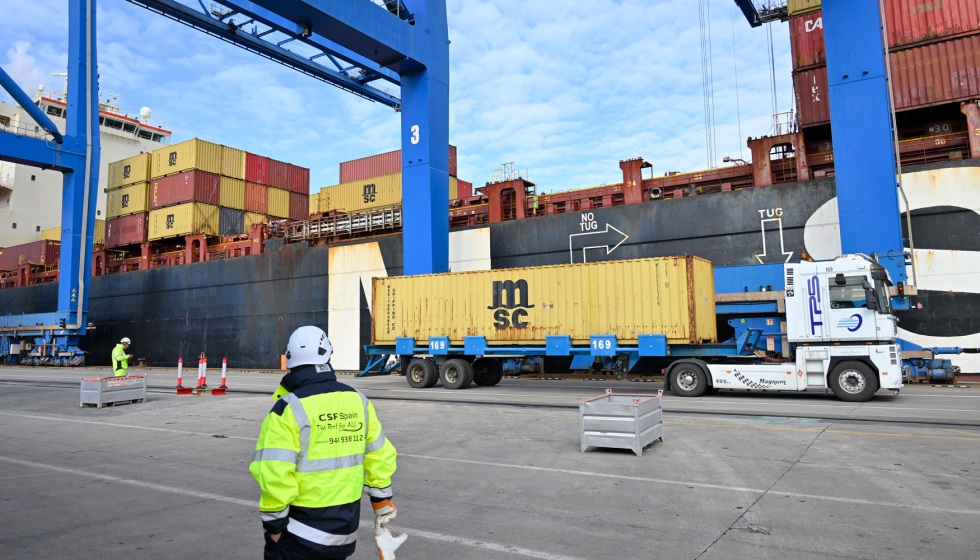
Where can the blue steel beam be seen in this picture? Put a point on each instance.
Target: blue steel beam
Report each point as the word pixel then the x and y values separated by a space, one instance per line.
pixel 40 153
pixel 25 101
pixel 255 42
pixel 864 150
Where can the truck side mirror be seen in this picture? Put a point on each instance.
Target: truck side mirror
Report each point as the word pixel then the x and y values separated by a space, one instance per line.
pixel 872 299
pixel 839 279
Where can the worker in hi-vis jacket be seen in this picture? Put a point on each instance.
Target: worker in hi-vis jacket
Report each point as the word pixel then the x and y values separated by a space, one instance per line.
pixel 120 359
pixel 319 449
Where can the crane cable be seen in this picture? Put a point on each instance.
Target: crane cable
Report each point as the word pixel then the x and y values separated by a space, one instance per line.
pixel 707 80
pixel 738 106
pixel 772 74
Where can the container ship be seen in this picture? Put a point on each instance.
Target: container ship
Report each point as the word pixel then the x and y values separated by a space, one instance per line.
pixel 242 264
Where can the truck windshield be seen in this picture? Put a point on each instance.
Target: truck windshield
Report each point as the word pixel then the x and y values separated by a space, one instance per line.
pixel 884 302
pixel 848 296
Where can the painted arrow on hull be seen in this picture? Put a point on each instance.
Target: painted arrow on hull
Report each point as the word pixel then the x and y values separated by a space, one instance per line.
pixel 613 240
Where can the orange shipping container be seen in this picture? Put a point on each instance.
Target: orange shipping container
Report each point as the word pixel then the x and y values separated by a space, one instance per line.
pixel 256 198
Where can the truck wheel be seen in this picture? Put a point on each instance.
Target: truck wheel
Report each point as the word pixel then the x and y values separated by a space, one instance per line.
pixel 487 372
pixel 853 382
pixel 687 380
pixel 456 374
pixel 421 374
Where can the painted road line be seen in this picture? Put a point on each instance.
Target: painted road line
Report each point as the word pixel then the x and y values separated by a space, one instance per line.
pixel 722 487
pixel 253 504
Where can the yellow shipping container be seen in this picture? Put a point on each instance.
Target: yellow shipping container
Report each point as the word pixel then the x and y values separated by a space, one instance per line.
pixel 232 163
pixel 183 156
pixel 278 202
pixel 253 218
pixel 232 193
pixel 183 219
pixel 797 7
pixel 54 234
pixel 128 171
pixel 314 203
pixel 369 193
pixel 672 296
pixel 127 200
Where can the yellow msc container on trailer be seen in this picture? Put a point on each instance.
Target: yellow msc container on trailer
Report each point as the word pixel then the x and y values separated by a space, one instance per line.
pixel 232 163
pixel 673 296
pixel 54 234
pixel 128 171
pixel 797 7
pixel 278 202
pixel 183 156
pixel 369 193
pixel 124 201
pixel 183 219
pixel 232 193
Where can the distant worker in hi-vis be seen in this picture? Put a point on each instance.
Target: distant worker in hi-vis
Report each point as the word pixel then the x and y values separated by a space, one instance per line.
pixel 120 359
pixel 320 448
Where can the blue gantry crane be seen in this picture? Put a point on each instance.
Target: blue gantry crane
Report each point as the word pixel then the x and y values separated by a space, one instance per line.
pixel 395 53
pixel 76 155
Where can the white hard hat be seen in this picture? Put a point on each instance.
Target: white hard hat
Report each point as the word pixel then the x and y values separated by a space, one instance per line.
pixel 125 340
pixel 308 346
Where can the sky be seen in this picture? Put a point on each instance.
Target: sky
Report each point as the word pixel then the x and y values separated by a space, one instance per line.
pixel 563 90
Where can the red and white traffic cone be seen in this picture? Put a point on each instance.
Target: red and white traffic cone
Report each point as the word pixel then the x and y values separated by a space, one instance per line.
pixel 224 370
pixel 204 371
pixel 180 373
pixel 200 365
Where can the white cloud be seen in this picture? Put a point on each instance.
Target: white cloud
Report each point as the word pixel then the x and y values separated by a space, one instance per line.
pixel 566 91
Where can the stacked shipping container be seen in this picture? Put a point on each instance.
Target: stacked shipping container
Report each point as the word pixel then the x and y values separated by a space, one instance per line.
pixel 375 182
pixel 934 51
pixel 197 187
pixel 41 253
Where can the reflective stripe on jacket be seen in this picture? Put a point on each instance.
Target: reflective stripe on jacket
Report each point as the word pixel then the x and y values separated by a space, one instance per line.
pixel 120 360
pixel 320 447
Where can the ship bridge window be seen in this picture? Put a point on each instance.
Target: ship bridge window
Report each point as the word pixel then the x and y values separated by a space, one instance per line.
pixel 129 127
pixel 53 110
pixel 158 137
pixel 101 120
pixel 4 120
pixel 113 123
pixel 146 134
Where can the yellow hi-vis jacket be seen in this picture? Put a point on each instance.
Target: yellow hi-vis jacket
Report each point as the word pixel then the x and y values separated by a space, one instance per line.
pixel 120 360
pixel 320 447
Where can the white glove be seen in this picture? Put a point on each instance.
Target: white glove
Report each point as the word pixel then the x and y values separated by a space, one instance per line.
pixel 384 511
pixel 387 543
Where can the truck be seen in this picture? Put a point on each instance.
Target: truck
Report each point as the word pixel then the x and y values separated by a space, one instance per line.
pixel 836 331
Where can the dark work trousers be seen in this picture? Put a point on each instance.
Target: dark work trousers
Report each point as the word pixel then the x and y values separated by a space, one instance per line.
pixel 290 548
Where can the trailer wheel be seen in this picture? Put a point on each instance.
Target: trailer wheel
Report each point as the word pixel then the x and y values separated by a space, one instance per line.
pixel 456 374
pixel 853 382
pixel 687 380
pixel 421 374
pixel 487 372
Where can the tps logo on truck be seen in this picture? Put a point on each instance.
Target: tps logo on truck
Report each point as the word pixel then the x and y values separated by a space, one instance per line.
pixel 510 303
pixel 816 314
pixel 370 193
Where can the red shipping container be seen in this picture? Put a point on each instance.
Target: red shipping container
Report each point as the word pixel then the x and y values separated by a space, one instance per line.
pixel 806 40
pixel 464 189
pixel 387 163
pixel 278 174
pixel 933 74
pixel 812 107
pixel 189 186
pixel 298 179
pixel 915 21
pixel 45 252
pixel 256 198
pixel 256 169
pixel 937 73
pixel 909 22
pixel 299 206
pixel 126 230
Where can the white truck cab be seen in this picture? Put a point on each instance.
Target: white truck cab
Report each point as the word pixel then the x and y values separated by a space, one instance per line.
pixel 840 330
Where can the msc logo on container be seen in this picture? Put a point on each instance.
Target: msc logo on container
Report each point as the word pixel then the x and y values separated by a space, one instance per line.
pixel 124 201
pixel 370 192
pixel 170 221
pixel 127 170
pixel 510 302
pixel 172 159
